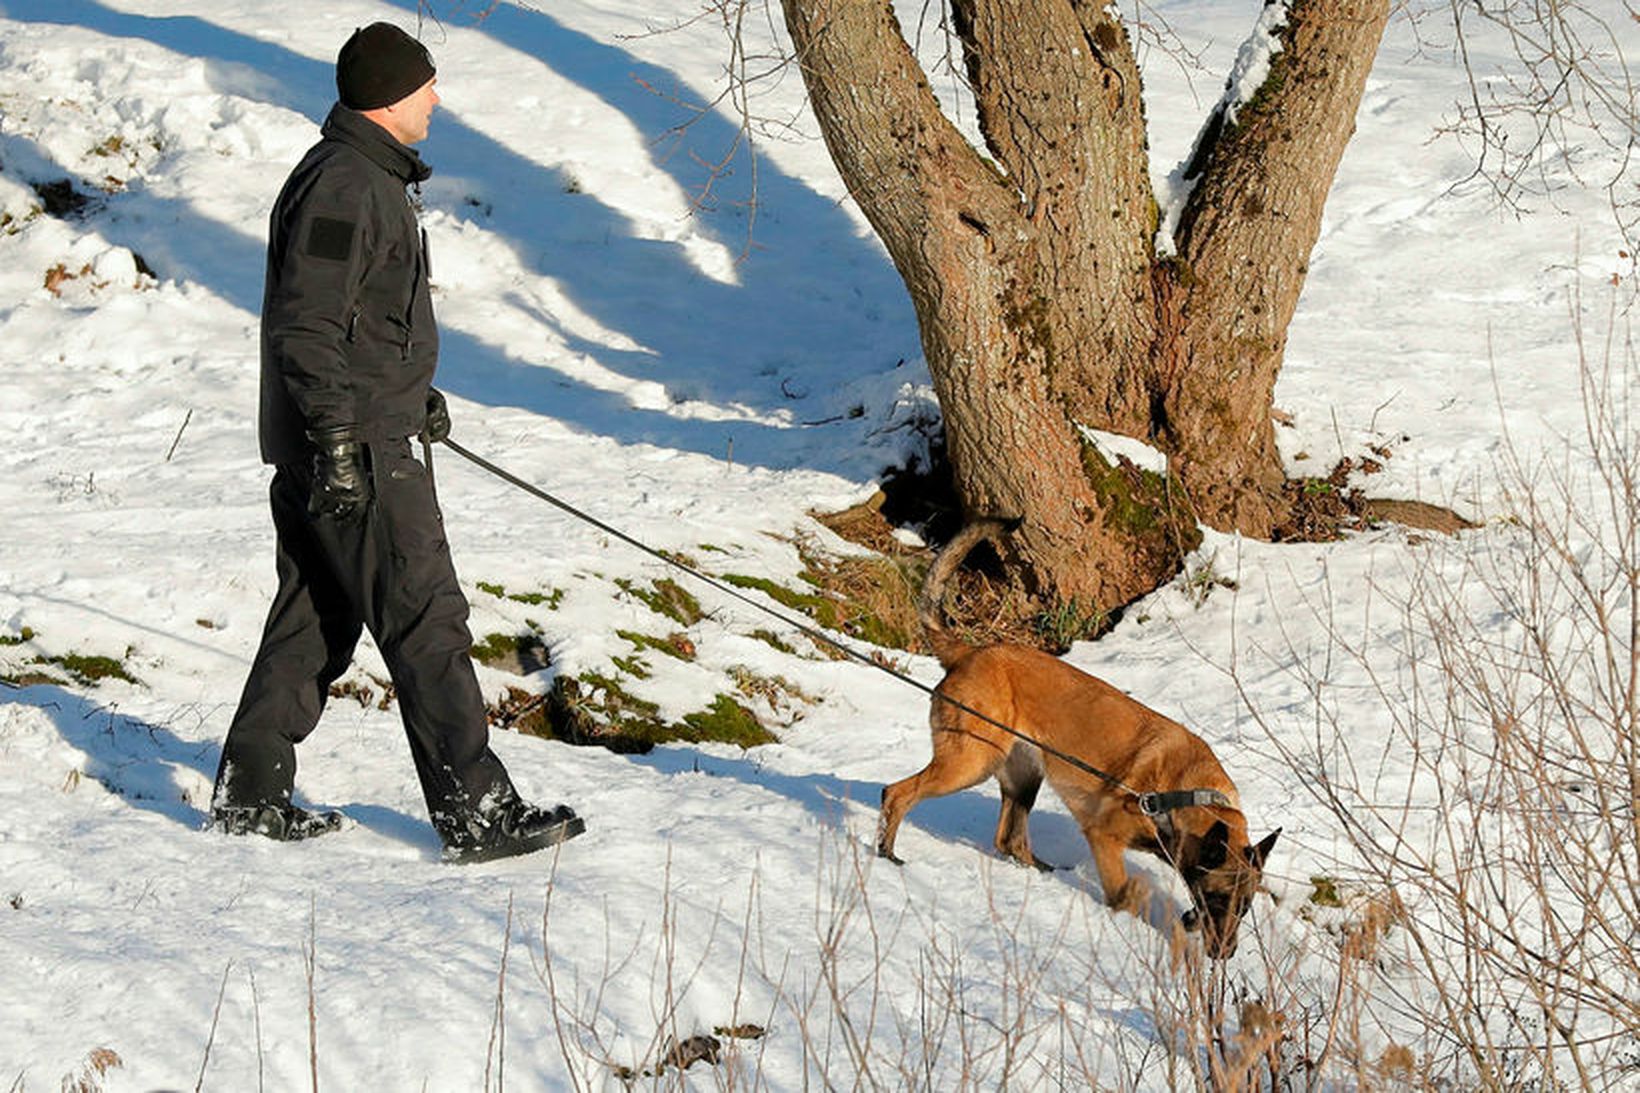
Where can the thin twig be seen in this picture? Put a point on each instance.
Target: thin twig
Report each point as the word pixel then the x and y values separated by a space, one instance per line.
pixel 310 955
pixel 189 416
pixel 497 1052
pixel 216 1015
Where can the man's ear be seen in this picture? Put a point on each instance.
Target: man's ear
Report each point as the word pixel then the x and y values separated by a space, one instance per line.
pixel 1256 855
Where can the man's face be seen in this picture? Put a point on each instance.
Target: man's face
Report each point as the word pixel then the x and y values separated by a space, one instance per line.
pixel 410 118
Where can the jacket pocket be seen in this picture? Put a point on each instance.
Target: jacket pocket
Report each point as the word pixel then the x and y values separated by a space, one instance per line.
pixel 401 333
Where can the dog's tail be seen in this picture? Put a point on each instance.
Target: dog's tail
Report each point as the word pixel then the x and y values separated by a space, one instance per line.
pixel 930 605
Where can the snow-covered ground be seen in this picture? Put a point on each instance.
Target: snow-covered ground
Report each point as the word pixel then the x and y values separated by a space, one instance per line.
pixel 631 355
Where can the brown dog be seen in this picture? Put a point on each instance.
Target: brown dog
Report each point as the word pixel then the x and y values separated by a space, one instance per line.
pixel 1074 714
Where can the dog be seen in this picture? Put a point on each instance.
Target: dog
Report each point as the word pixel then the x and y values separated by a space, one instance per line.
pixel 1056 708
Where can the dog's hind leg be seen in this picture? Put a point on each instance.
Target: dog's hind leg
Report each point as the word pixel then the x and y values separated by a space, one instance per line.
pixel 1019 779
pixel 959 761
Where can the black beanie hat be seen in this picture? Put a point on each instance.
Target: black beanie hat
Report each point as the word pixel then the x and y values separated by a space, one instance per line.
pixel 379 65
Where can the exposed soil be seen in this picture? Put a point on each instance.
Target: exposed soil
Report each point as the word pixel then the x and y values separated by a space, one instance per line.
pixel 61 199
pixel 983 605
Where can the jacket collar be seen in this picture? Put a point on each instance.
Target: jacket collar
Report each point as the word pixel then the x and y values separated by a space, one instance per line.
pixel 377 144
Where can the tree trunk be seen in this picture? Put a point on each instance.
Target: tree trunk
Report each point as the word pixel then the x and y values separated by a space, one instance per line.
pixel 1244 242
pixel 1041 303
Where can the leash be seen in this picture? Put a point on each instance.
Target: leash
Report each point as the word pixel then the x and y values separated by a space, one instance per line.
pixel 1152 804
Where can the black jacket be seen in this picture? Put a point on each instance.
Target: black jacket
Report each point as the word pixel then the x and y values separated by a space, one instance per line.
pixel 348 337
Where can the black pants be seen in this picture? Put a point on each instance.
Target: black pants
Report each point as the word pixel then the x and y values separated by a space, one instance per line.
pixel 388 569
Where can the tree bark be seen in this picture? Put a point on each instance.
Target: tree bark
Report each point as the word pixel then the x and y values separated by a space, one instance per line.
pixel 1244 242
pixel 1058 93
pixel 1041 303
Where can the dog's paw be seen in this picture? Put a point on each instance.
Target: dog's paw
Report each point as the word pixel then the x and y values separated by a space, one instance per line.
pixel 888 855
pixel 1132 897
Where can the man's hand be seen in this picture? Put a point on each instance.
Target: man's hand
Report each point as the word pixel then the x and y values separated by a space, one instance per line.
pixel 341 484
pixel 437 428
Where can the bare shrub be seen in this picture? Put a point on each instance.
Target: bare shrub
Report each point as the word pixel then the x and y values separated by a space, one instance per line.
pixel 1466 728
pixel 1497 819
pixel 92 1072
pixel 881 993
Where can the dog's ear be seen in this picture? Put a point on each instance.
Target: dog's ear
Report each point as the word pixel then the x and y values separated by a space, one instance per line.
pixel 1215 847
pixel 1257 855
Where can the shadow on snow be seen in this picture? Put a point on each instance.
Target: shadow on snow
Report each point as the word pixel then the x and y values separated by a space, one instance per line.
pixel 812 279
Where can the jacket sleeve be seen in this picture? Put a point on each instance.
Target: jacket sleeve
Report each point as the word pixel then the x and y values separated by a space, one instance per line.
pixel 322 242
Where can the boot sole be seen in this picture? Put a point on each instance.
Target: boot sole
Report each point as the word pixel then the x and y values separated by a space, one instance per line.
pixel 559 832
pixel 308 825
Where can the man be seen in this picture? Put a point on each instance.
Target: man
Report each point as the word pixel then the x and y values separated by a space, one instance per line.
pixel 348 352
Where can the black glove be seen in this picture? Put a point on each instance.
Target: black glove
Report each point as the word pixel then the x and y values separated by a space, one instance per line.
pixel 437 428
pixel 341 484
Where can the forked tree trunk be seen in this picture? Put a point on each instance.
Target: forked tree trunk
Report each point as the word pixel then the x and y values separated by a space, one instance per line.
pixel 1042 304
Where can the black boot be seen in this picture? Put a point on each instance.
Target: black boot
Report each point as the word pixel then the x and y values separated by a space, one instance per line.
pixel 511 828
pixel 282 823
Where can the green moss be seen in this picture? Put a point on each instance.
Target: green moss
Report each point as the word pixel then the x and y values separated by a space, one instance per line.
pixel 1146 513
pixel 496 648
pixel 666 597
pixel 1275 81
pixel 93 669
pixel 550 599
pixel 871 598
pixel 88 671
pixel 595 709
pixel 25 635
pixel 822 609
pixel 1264 97
pixel 728 722
pixel 616 700
pixel 1324 892
pixel 879 631
pixel 1126 493
pixel 680 558
pixel 677 646
pixel 521 653
pixel 771 639
pixel 636 667
pixel 1030 319
pixel 1138 503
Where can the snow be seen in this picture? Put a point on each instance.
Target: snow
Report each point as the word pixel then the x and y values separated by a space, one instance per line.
pixel 1247 75
pixel 1253 61
pixel 1114 447
pixel 705 391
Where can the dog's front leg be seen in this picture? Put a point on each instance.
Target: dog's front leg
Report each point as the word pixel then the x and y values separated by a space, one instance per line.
pixel 1122 892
